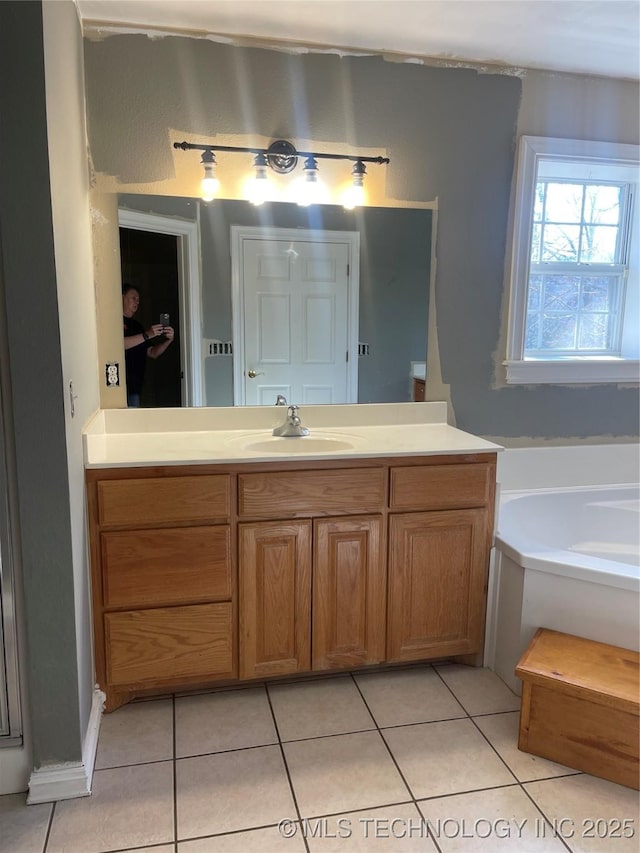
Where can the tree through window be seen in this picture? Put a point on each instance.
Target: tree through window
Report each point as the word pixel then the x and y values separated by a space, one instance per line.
pixel 576 274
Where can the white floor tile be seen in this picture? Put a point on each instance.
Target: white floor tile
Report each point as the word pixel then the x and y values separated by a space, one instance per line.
pixel 392 829
pixel 328 707
pixel 479 691
pixel 445 758
pixel 228 791
pixel 408 696
pixel 129 807
pixel 23 828
pixel 343 773
pixel 490 821
pixel 136 733
pixel 591 815
pixel 214 722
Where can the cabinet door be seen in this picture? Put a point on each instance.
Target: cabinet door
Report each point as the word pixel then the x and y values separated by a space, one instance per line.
pixel 275 598
pixel 438 563
pixel 349 592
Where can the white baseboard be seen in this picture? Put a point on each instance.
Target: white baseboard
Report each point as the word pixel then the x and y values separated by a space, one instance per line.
pixel 90 745
pixel 73 778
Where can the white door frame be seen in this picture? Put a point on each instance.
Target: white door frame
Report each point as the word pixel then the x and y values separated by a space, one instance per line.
pixel 351 239
pixel 189 293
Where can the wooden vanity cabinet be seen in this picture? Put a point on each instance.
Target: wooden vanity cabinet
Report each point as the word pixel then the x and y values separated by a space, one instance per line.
pixel 337 565
pixel 163 579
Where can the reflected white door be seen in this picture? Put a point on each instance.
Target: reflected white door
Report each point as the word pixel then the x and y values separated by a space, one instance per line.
pixel 296 326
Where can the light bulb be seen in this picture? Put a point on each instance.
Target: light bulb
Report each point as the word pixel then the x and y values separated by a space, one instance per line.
pixel 354 195
pixel 311 190
pixel 210 185
pixel 258 188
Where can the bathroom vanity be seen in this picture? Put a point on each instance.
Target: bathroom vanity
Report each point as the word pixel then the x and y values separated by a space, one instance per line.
pixel 226 554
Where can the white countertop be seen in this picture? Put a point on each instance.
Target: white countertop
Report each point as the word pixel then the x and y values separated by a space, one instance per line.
pixel 137 437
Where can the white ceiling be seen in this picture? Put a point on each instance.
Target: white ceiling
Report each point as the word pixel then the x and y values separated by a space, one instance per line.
pixel 600 37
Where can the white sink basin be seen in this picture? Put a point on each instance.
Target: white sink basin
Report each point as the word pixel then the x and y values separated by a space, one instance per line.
pixel 300 444
pixel 293 445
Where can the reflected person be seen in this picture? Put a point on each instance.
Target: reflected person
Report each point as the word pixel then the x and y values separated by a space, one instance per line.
pixel 139 343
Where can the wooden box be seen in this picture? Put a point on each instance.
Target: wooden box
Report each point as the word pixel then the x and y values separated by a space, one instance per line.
pixel 581 705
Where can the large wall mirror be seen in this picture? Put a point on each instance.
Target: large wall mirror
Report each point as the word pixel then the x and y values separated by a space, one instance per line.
pixel 281 284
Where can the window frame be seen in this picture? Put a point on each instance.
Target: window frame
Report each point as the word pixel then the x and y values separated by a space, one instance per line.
pixel 573 367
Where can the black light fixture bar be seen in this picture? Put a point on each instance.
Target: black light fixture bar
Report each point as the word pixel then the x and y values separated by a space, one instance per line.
pixel 281 155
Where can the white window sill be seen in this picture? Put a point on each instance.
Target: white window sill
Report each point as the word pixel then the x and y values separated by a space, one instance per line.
pixel 572 371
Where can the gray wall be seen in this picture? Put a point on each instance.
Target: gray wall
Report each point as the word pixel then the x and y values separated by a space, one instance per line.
pixel 450 134
pixel 37 394
pixel 395 257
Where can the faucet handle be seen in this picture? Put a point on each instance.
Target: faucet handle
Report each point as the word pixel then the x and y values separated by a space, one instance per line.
pixel 281 400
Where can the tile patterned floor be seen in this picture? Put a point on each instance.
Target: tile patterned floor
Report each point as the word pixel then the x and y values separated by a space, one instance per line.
pixel 415 759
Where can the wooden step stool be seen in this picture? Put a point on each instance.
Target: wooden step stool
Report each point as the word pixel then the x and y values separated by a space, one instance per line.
pixel 581 705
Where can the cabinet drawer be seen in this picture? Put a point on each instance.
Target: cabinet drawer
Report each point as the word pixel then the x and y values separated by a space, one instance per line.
pixel 322 492
pixel 163 500
pixel 441 486
pixel 167 566
pixel 179 643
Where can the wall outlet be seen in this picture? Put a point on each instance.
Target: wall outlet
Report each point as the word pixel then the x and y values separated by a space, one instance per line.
pixel 112 374
pixel 363 349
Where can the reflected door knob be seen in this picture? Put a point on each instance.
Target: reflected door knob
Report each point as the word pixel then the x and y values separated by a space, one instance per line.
pixel 252 374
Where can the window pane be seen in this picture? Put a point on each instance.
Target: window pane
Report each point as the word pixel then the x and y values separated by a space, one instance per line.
pixel 602 205
pixel 532 330
pixel 560 243
pixel 564 202
pixel 595 294
pixel 559 331
pixel 535 244
pixel 561 293
pixel 533 294
pixel 570 275
pixel 598 244
pixel 594 332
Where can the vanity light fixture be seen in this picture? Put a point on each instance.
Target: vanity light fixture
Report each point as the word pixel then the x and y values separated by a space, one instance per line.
pixel 282 157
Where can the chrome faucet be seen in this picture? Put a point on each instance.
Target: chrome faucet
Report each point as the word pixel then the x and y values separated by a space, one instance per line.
pixel 281 400
pixel 292 426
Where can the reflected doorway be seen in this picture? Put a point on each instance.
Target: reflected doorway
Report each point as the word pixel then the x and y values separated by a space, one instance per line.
pixel 149 262
pixel 295 309
pixel 185 289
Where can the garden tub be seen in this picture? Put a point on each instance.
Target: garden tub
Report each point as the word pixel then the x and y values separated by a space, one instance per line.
pixel 566 559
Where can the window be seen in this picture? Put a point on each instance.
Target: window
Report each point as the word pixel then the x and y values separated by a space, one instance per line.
pixel 574 308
